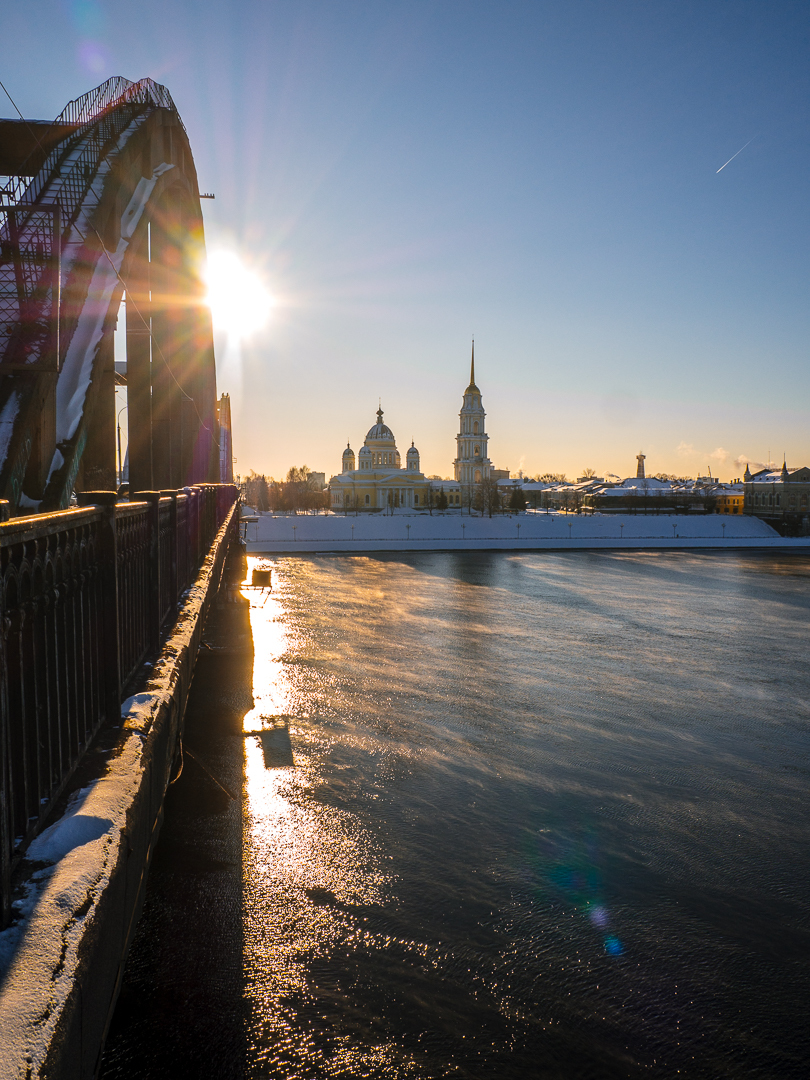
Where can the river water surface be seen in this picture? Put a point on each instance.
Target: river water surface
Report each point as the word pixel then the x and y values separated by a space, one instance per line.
pixel 524 815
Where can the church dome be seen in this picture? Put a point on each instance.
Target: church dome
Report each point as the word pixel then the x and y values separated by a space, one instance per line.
pixel 380 431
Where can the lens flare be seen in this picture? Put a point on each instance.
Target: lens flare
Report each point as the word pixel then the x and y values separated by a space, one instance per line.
pixel 240 304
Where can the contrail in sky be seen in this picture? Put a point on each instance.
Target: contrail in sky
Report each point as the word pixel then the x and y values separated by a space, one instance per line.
pixel 734 155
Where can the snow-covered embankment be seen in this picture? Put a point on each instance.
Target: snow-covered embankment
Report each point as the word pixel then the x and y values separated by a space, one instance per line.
pixel 290 533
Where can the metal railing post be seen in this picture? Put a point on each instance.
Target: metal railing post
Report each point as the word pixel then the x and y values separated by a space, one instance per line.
pixel 173 568
pixel 194 539
pixel 153 607
pixel 111 652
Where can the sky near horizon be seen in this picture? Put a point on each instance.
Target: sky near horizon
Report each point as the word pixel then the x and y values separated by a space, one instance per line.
pixel 405 174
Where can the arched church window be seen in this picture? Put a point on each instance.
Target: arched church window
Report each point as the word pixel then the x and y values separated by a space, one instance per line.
pixel 478 476
pixel 368 499
pixel 478 451
pixel 475 428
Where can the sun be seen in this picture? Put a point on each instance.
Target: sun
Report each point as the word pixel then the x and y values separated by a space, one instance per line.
pixel 240 304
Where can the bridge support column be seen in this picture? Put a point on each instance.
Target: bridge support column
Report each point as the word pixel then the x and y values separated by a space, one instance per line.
pixel 171 349
pixel 97 470
pixel 42 434
pixel 139 373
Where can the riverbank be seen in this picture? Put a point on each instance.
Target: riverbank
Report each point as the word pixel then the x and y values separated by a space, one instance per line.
pixel 268 534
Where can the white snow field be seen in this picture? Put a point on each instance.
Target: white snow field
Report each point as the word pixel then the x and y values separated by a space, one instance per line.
pixel 270 534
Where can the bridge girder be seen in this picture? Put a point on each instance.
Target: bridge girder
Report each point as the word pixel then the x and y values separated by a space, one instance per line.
pixel 125 181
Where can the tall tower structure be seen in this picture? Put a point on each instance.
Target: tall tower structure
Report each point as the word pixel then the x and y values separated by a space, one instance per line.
pixel 472 465
pixel 640 458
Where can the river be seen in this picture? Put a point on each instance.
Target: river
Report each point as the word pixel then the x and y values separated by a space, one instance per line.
pixel 505 815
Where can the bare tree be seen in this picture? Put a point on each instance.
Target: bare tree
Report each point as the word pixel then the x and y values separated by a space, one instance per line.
pixel 490 496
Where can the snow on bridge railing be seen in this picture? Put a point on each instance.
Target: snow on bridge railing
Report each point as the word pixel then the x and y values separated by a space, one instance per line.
pixel 85 595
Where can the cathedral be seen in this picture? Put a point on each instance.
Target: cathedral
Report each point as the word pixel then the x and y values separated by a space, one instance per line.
pixel 377 481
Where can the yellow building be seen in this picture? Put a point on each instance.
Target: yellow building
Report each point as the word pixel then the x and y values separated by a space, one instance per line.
pixel 730 500
pixel 379 482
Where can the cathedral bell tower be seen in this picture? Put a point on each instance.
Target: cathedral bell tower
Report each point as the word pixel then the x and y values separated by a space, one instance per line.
pixel 472 465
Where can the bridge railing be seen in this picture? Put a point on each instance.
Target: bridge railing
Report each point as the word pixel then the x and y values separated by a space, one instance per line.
pixel 84 597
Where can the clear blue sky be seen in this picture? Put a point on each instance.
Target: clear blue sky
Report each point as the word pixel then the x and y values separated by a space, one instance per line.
pixel 541 174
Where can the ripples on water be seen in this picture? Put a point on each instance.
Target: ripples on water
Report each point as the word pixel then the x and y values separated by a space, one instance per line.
pixel 527 815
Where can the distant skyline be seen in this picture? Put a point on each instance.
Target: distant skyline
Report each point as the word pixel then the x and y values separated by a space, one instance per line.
pixel 611 197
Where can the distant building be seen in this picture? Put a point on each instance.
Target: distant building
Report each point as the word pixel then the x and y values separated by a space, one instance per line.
pixel 318 480
pixel 379 482
pixel 499 474
pixel 472 465
pixel 729 499
pixel 640 458
pixel 781 497
pixel 451 490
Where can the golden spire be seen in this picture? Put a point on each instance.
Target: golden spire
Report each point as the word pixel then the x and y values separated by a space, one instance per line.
pixel 472 385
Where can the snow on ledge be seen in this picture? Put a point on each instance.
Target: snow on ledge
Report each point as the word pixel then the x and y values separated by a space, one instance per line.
pixel 74 859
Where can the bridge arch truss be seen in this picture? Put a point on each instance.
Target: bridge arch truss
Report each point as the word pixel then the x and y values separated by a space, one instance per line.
pixel 101 203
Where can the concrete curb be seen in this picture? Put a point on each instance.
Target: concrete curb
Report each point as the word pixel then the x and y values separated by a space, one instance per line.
pixel 61 963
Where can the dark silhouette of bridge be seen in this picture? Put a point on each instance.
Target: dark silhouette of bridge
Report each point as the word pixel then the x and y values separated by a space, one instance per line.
pixel 102 202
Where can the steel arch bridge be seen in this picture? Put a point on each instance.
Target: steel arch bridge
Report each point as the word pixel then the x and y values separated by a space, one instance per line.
pixel 104 202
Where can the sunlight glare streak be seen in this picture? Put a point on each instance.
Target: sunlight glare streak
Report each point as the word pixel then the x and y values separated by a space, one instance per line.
pixel 240 304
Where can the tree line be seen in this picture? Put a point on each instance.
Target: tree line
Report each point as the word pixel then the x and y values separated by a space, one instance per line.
pixel 297 493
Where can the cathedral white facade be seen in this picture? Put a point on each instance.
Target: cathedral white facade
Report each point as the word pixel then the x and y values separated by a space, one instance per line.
pixel 377 481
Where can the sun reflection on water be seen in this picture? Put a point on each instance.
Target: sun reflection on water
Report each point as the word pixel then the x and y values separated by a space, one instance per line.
pixel 310 872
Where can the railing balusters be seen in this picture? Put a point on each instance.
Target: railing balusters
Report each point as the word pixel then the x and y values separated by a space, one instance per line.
pixel 84 595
